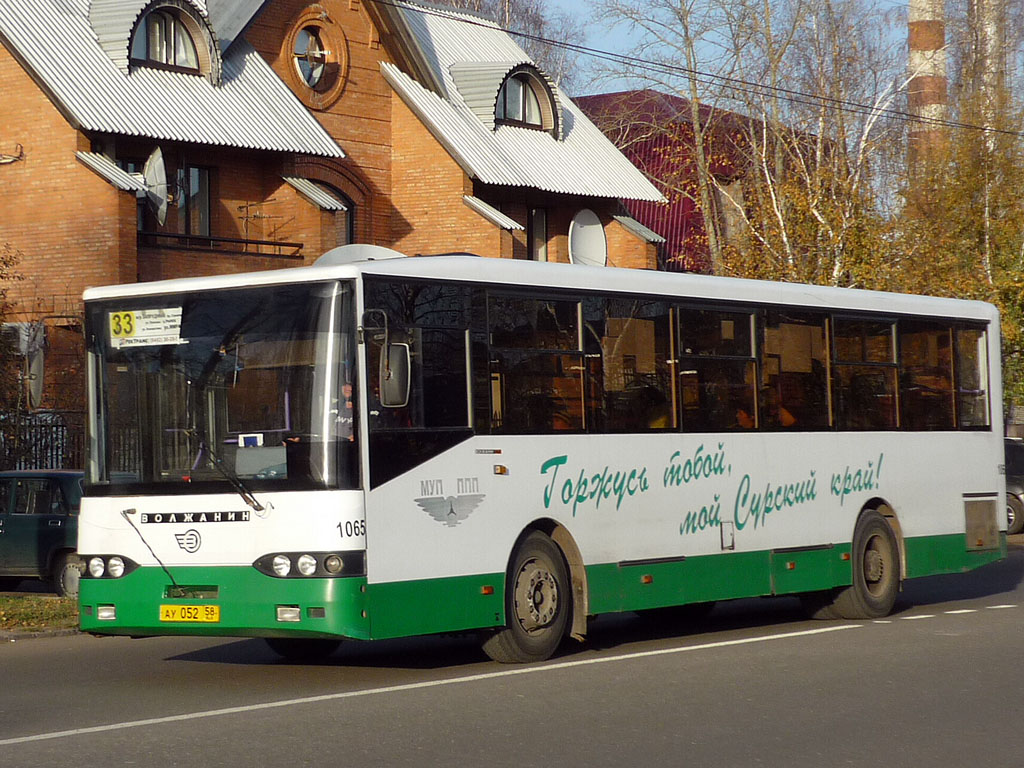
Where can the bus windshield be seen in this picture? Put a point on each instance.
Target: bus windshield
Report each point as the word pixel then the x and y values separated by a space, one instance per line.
pixel 191 392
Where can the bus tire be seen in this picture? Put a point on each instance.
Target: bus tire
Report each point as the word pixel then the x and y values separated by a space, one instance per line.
pixel 876 571
pixel 538 604
pixel 302 648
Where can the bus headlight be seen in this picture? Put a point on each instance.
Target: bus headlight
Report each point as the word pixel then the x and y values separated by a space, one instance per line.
pixel 108 566
pixel 312 565
pixel 307 565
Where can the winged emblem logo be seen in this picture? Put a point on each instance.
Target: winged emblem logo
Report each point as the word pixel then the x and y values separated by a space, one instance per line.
pixel 190 540
pixel 450 510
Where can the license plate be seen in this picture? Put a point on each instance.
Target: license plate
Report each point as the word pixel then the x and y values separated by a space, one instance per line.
pixel 205 614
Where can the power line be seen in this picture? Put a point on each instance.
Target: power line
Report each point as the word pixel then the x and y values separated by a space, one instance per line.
pixel 707 78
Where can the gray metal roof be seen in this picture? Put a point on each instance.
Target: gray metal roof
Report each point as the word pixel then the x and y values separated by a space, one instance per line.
pixel 110 171
pixel 491 213
pixel 466 54
pixel 251 108
pixel 316 194
pixel 638 229
pixel 231 17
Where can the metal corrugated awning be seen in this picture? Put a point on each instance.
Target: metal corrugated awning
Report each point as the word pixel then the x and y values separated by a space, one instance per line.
pixel 316 194
pixel 110 171
pixel 491 213
pixel 639 229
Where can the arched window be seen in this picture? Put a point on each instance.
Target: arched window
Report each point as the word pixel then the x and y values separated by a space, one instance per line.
pixel 518 103
pixel 163 39
pixel 526 100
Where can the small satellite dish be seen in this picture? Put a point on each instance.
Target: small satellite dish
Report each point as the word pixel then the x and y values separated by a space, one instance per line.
pixel 154 175
pixel 587 243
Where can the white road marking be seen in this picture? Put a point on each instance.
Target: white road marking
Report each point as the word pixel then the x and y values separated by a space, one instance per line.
pixel 962 610
pixel 999 607
pixel 919 616
pixel 415 686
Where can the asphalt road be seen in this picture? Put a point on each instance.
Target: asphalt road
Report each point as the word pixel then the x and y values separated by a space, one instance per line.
pixel 937 684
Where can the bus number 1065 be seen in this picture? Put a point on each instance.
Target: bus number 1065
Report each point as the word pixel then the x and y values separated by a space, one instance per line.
pixel 351 528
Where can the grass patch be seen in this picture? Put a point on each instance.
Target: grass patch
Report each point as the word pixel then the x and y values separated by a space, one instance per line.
pixel 32 613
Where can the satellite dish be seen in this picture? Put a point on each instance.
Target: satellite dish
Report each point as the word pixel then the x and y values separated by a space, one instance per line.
pixel 587 243
pixel 350 254
pixel 154 176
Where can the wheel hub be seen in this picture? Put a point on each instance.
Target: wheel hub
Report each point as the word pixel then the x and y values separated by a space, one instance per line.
pixel 536 597
pixel 874 566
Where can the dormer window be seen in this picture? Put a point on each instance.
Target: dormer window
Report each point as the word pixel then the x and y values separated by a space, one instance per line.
pixel 526 100
pixel 518 103
pixel 163 39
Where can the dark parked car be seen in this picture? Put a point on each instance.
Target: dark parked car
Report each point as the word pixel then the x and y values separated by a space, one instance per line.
pixel 39 528
pixel 1014 485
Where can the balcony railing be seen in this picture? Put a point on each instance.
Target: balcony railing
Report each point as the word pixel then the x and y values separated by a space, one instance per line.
pixel 227 245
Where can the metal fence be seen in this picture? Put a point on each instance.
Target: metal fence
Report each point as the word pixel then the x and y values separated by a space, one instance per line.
pixel 42 440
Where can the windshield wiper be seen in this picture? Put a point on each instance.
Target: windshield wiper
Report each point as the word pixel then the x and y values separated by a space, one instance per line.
pixel 231 477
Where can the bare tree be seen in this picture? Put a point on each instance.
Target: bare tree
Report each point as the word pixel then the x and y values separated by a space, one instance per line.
pixel 794 92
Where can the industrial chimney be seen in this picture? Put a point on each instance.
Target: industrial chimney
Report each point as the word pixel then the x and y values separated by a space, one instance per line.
pixel 926 92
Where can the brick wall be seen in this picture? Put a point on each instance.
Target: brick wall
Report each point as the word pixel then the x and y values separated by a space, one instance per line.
pixel 360 116
pixel 430 215
pixel 62 217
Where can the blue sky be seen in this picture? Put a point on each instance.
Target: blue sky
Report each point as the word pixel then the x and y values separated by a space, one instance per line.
pixel 603 36
pixel 599 35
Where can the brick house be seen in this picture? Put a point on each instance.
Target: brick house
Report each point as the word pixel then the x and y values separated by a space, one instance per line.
pixel 146 139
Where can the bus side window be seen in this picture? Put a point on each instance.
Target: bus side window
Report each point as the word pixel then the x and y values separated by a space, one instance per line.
pixel 433 321
pixel 635 350
pixel 537 366
pixel 971 369
pixel 794 384
pixel 865 374
pixel 716 370
pixel 926 375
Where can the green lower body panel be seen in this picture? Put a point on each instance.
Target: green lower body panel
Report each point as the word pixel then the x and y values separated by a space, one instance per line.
pixel 247 601
pixel 350 607
pixel 403 608
pixel 932 555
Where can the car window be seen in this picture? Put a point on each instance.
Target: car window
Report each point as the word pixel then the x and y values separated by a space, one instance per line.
pixel 5 495
pixel 38 497
pixel 1014 457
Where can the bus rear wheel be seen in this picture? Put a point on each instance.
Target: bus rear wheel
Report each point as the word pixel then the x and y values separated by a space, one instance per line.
pixel 302 648
pixel 876 571
pixel 538 604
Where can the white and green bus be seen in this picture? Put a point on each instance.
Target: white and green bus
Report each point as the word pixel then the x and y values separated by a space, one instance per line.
pixel 377 446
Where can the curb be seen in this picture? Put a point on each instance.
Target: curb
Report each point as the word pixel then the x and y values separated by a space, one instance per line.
pixel 9 636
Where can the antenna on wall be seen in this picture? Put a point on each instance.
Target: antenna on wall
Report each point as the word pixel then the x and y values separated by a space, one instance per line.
pixel 154 175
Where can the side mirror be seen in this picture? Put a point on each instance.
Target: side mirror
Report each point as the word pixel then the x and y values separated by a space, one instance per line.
pixel 394 376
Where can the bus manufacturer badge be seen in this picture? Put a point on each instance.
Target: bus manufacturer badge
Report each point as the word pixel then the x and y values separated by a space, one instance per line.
pixel 450 510
pixel 190 540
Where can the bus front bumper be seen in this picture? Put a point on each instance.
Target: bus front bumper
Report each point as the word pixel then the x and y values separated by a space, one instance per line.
pixel 236 601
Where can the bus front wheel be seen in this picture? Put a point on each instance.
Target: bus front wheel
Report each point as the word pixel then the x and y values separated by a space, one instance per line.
pixel 876 571
pixel 538 604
